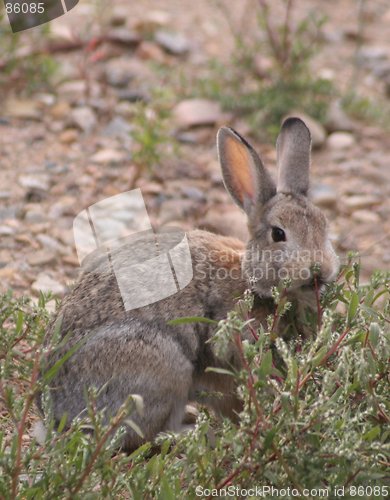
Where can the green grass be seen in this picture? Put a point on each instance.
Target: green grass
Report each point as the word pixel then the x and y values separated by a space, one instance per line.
pixel 316 413
pixel 376 111
pixel 288 84
pixel 32 71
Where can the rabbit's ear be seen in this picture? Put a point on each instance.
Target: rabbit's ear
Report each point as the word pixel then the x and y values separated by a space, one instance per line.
pixel 244 175
pixel 293 148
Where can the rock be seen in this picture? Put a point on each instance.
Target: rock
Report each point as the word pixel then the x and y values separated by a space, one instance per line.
pixel 124 36
pixel 22 108
pixel 70 260
pixel 318 133
pixel 324 196
pixel 69 136
pixel 199 135
pixel 118 16
pixel 332 35
pixel 61 33
pixel 175 210
pixel 66 71
pixel 152 21
pixel 109 157
pixel 60 110
pixel 41 258
pixel 387 87
pixel 133 95
pixel 369 54
pixel 381 69
pixel 46 283
pixel 263 66
pixel 149 187
pixel 7 231
pixel 337 120
pixel 50 243
pixel 366 216
pixel 357 202
pixel 9 212
pixel 193 193
pixel 326 74
pixel 121 70
pixel 125 109
pixel 84 118
pixel 45 99
pixel 77 90
pixel 226 220
pixel 39 182
pixel 340 140
pixel 195 112
pixel 354 33
pixel 34 217
pixel 174 43
pixel 118 128
pixel 64 206
pixel 150 50
pixel 7 273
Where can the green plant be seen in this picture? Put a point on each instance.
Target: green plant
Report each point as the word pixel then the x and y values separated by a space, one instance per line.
pixel 25 65
pixel 153 140
pixel 286 83
pixel 70 464
pixel 367 109
pixel 315 417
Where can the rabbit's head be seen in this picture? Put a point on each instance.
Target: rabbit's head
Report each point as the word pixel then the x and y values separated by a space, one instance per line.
pixel 288 234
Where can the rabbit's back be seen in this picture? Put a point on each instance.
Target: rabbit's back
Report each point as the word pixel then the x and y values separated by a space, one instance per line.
pixel 96 299
pixel 123 352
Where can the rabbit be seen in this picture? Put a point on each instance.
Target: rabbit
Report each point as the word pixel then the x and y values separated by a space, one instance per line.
pixel 137 352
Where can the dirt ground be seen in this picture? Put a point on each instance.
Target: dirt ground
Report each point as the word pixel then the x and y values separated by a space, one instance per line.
pixel 65 149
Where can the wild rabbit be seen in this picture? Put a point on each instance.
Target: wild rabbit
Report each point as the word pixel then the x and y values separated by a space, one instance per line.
pixel 137 352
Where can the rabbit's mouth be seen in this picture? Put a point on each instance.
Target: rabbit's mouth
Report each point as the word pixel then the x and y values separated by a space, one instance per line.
pixel 315 283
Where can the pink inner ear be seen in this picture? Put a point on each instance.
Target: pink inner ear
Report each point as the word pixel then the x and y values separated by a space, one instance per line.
pixel 241 173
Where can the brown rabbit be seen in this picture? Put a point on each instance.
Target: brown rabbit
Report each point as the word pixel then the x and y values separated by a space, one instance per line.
pixel 136 352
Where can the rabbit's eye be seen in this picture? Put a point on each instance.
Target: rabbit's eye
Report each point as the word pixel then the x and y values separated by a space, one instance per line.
pixel 278 234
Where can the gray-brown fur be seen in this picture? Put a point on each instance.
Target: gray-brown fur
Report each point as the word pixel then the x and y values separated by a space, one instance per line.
pixel 137 352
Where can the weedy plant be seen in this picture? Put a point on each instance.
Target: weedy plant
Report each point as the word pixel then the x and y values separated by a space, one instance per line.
pixel 286 82
pixel 367 109
pixel 151 133
pixel 25 65
pixel 315 413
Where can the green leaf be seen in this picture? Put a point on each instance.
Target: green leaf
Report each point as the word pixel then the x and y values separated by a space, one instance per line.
pixel 374 334
pixel 319 356
pixel 353 307
pixel 52 372
pixel 61 425
pixel 134 426
pixel 19 323
pixel 266 364
pixel 372 433
pixel 221 371
pixel 139 451
pixel 191 319
pixel 268 440
pixel 166 492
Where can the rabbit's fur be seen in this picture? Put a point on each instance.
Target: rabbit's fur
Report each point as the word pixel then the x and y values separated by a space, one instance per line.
pixel 137 352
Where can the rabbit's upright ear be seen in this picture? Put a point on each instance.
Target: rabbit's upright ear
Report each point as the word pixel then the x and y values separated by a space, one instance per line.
pixel 293 148
pixel 244 175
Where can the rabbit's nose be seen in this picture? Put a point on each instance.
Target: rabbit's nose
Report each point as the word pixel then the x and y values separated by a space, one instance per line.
pixel 327 271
